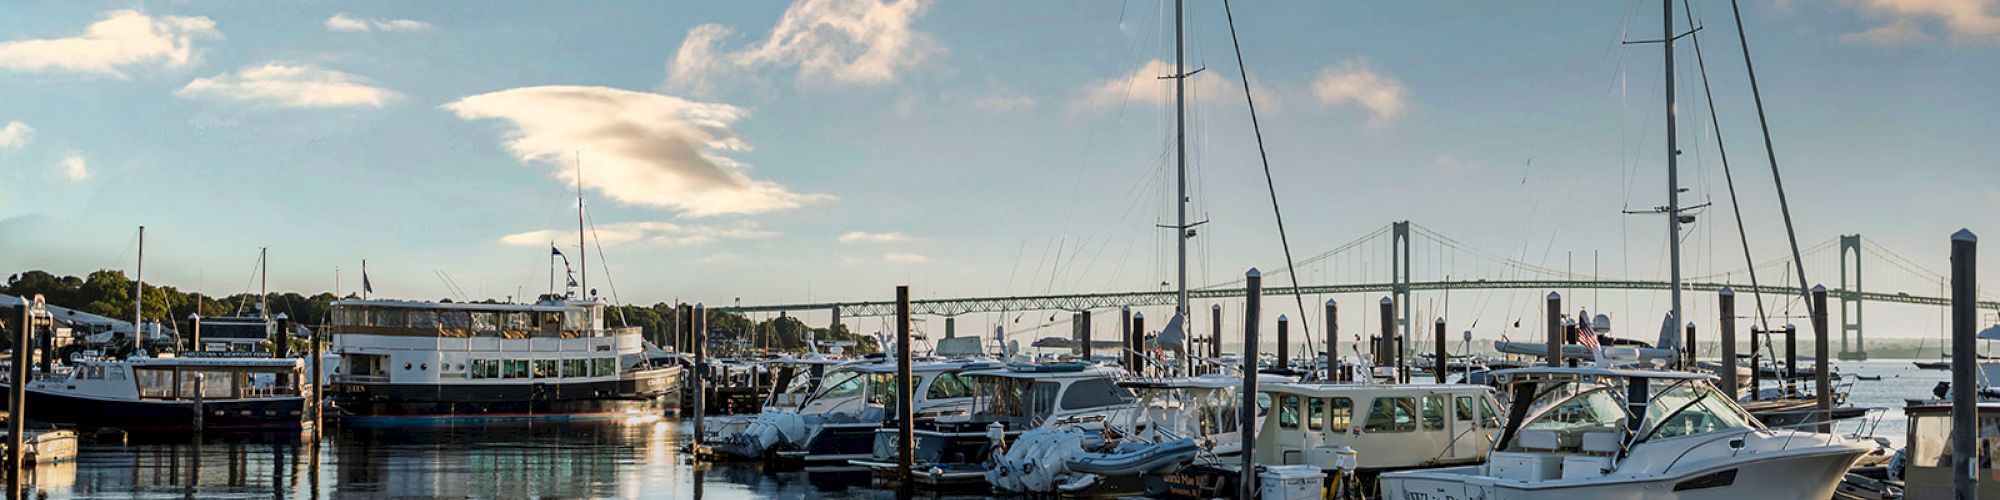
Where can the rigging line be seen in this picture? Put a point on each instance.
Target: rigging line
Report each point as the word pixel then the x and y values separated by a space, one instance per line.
pixel 1728 177
pixel 1771 154
pixel 616 304
pixel 1271 186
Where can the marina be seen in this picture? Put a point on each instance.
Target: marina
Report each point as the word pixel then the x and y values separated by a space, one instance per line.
pixel 777 266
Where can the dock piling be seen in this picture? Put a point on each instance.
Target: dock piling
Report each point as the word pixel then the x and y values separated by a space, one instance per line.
pixel 905 425
pixel 1125 338
pixel 1791 383
pixel 1385 347
pixel 1284 342
pixel 1726 303
pixel 17 390
pixel 1246 419
pixel 315 399
pixel 200 409
pixel 1688 352
pixel 1136 343
pixel 1084 318
pixel 698 342
pixel 1443 364
pixel 1555 329
pixel 1964 365
pixel 1822 373
pixel 1332 342
pixel 1215 338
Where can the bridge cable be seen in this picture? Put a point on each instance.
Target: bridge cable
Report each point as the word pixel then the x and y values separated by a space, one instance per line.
pixel 1298 296
pixel 1729 178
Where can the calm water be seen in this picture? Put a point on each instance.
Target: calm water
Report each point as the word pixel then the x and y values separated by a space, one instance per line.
pixel 615 459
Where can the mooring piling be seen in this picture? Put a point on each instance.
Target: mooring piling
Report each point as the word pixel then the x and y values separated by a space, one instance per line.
pixel 1964 365
pixel 1443 364
pixel 1555 312
pixel 1726 303
pixel 1247 410
pixel 1332 342
pixel 905 423
pixel 1822 372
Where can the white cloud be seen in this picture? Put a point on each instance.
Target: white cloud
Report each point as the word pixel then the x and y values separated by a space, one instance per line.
pixel 720 258
pixel 1353 81
pixel 1145 86
pixel 863 42
pixel 638 147
pixel 73 167
pixel 301 86
pixel 905 258
pixel 343 22
pixel 867 237
pixel 1000 104
pixel 653 234
pixel 119 39
pixel 15 135
pixel 1965 20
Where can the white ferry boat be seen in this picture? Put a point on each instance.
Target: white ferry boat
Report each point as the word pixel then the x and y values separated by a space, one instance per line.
pixel 428 361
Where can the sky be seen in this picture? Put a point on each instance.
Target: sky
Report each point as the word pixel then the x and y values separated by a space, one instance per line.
pixel 829 150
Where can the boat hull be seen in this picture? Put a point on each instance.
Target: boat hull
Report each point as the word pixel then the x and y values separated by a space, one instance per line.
pixel 1812 475
pixel 261 414
pixel 365 404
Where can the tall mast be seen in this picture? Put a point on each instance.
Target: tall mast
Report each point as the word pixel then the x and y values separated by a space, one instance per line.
pixel 1180 150
pixel 139 288
pixel 582 253
pixel 264 282
pixel 1673 168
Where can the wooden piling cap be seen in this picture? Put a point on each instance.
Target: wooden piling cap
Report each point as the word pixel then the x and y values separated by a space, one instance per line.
pixel 1964 235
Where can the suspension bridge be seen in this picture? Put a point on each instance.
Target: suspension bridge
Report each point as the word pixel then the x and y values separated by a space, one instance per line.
pixel 1408 244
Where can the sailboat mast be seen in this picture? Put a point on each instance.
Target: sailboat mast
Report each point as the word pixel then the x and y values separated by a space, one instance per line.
pixel 582 254
pixel 1180 150
pixel 1673 169
pixel 264 282
pixel 139 288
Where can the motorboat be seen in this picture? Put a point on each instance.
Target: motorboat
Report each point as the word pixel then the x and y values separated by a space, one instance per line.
pixel 839 421
pixel 794 379
pixel 1609 433
pixel 173 393
pixel 1006 402
pixel 1926 463
pixel 1391 427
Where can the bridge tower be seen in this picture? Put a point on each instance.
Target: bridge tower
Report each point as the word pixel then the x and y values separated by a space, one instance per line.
pixel 1850 299
pixel 1399 277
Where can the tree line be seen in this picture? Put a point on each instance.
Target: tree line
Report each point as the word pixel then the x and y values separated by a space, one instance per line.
pixel 109 293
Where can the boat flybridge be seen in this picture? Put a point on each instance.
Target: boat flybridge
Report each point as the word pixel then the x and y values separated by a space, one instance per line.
pixel 839 421
pixel 1006 401
pixel 1608 433
pixel 432 361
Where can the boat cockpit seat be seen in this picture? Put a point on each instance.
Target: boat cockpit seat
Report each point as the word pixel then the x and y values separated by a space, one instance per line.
pixel 1602 443
pixel 1540 440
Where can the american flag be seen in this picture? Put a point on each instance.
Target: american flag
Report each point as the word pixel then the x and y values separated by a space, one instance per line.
pixel 1588 336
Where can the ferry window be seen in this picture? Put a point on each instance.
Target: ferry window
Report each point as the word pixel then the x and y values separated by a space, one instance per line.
pixel 1316 414
pixel 456 320
pixel 947 386
pixel 388 317
pixel 482 321
pixel 1095 392
pixel 515 368
pixel 603 367
pixel 423 318
pixel 1288 411
pixel 1433 412
pixel 1392 415
pixel 1489 417
pixel 519 321
pixel 156 383
pixel 1464 409
pixel 576 368
pixel 1340 412
pixel 214 385
pixel 478 369
pixel 545 368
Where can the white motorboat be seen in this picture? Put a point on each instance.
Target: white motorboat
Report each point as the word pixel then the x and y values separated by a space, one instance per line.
pixel 1391 427
pixel 795 380
pixel 839 421
pixel 1006 402
pixel 1601 433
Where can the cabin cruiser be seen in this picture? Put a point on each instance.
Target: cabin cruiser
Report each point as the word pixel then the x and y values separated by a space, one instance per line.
pixel 431 362
pixel 164 393
pixel 838 422
pixel 1926 464
pixel 1006 401
pixel 1391 426
pixel 1605 433
pixel 793 380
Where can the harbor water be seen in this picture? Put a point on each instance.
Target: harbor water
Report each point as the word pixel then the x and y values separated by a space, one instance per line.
pixel 639 458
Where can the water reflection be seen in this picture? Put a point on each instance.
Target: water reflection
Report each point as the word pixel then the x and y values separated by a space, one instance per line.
pixel 632 459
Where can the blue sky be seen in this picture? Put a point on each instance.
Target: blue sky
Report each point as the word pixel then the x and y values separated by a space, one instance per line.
pixel 831 149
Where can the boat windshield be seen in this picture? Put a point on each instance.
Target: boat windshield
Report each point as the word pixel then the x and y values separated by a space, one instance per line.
pixel 1595 410
pixel 1688 408
pixel 840 384
pixel 882 388
pixel 1011 397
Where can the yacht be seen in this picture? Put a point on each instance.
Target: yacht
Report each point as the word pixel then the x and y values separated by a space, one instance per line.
pixel 1605 433
pixel 1177 421
pixel 418 362
pixel 1006 401
pixel 163 393
pixel 1391 427
pixel 793 380
pixel 839 421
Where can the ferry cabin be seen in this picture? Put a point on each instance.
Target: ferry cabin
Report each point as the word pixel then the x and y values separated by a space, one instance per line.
pixel 452 360
pixel 1390 426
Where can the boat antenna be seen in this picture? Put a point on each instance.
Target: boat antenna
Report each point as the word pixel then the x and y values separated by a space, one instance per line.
pixel 138 288
pixel 582 252
pixel 1298 296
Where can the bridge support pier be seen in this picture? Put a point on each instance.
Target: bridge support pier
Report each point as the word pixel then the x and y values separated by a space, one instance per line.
pixel 1399 274
pixel 1850 299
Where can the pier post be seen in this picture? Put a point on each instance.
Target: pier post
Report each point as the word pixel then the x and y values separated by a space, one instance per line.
pixel 17 391
pixel 315 399
pixel 200 391
pixel 905 426
pixel 1822 373
pixel 697 341
pixel 1443 367
pixel 1688 357
pixel 1125 338
pixel 1555 329
pixel 1215 337
pixel 1083 317
pixel 194 341
pixel 1756 362
pixel 1332 342
pixel 1284 342
pixel 1385 347
pixel 1246 418
pixel 1076 348
pixel 1791 384
pixel 1136 343
pixel 951 330
pixel 281 345
pixel 1964 365
pixel 1726 302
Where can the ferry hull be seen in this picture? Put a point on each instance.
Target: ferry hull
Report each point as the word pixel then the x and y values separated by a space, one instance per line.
pixel 264 414
pixel 397 404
